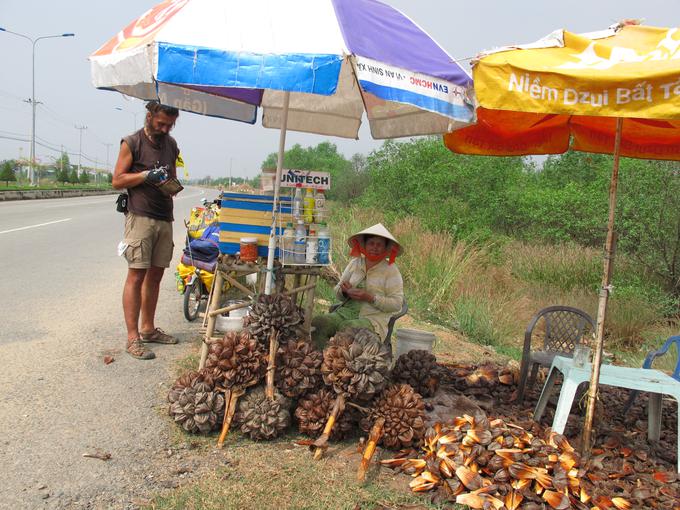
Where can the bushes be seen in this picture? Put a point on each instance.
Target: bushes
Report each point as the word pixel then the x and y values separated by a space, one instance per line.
pixel 489 292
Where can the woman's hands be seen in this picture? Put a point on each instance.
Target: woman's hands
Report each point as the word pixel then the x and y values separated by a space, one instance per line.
pixel 356 294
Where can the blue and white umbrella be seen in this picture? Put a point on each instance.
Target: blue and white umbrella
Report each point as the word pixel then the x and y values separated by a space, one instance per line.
pixel 311 65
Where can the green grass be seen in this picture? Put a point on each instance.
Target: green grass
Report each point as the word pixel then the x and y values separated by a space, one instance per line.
pixel 280 475
pixel 489 291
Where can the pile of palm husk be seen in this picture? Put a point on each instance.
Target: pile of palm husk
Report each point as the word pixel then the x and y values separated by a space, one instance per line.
pixel 498 464
pixel 623 463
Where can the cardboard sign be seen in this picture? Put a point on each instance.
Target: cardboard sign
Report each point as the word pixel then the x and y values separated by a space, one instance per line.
pixel 305 179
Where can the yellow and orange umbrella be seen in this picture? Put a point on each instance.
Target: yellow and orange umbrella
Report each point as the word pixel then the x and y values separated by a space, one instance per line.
pixel 616 91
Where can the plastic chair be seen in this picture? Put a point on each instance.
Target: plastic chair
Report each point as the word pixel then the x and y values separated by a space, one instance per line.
pixel 648 364
pixel 390 323
pixel 565 327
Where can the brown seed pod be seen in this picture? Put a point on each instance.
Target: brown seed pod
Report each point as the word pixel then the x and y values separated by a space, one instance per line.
pixel 237 360
pixel 417 368
pixel 195 404
pixel 404 413
pixel 313 411
pixel 298 368
pixel 276 311
pixel 356 363
pixel 260 417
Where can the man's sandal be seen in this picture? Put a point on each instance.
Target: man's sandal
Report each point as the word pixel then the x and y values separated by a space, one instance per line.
pixel 158 336
pixel 138 350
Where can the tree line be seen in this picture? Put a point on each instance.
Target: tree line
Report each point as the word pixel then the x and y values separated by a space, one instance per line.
pixel 64 172
pixel 562 198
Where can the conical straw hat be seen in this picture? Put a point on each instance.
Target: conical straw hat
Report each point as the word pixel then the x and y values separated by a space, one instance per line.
pixel 376 230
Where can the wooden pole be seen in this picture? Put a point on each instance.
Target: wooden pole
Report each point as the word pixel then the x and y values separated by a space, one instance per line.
pixel 322 442
pixel 213 305
pixel 235 283
pixel 229 411
pixel 225 421
pixel 309 302
pixel 373 438
pixel 609 250
pixel 269 281
pixel 230 308
pixel 271 367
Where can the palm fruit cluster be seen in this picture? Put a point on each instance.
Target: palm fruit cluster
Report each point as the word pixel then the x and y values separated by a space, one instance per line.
pixel 404 413
pixel 262 418
pixel 483 376
pixel 356 364
pixel 195 403
pixel 237 360
pixel 419 369
pixel 494 464
pixel 277 311
pixel 313 410
pixel 298 368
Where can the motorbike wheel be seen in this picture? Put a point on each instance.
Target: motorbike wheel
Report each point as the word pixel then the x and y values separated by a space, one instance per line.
pixel 192 300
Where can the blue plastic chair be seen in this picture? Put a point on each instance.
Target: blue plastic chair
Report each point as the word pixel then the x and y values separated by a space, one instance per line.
pixel 648 364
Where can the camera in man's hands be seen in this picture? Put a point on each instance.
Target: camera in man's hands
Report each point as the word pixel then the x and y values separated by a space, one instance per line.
pixel 157 175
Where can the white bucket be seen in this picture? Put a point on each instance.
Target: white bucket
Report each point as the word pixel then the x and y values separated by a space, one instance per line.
pixel 225 324
pixel 239 312
pixel 413 339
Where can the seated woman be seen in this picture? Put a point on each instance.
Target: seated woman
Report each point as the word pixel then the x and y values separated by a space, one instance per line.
pixel 371 288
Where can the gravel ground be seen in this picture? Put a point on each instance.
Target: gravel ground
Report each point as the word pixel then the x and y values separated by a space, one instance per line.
pixel 59 400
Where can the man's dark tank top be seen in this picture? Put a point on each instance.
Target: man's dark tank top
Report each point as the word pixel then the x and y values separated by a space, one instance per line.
pixel 146 199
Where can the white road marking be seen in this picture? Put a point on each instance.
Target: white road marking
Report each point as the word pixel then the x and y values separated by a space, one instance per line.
pixel 78 204
pixel 34 226
pixel 188 196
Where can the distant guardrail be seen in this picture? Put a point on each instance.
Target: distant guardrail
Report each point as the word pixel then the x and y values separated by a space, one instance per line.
pixel 53 193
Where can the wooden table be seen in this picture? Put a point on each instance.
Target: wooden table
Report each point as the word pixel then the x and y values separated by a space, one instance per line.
pixel 653 381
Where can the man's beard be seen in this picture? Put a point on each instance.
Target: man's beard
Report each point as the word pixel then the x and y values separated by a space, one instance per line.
pixel 156 136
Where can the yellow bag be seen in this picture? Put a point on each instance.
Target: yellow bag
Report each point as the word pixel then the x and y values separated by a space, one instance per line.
pixel 196 225
pixel 185 271
pixel 207 278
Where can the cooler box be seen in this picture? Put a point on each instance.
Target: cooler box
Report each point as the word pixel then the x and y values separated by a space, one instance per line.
pixel 244 215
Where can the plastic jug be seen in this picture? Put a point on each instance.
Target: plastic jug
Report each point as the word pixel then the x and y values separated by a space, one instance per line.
pixel 308 206
pixel 297 204
pixel 320 207
pixel 323 245
pixel 300 243
pixel 312 247
pixel 288 248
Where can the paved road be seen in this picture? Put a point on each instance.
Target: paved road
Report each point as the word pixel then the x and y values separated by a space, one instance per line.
pixel 60 305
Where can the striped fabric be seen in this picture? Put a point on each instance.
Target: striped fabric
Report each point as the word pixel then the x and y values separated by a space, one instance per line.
pixel 383 281
pixel 243 215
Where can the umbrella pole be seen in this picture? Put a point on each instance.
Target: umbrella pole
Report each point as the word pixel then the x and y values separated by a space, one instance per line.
pixel 277 185
pixel 609 251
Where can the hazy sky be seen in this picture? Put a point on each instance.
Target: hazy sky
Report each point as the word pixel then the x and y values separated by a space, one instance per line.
pixel 210 145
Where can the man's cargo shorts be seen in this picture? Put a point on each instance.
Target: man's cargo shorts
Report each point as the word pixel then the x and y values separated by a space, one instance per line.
pixel 149 242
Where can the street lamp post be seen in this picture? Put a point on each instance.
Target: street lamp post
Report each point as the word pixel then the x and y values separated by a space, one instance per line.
pixel 33 102
pixel 80 146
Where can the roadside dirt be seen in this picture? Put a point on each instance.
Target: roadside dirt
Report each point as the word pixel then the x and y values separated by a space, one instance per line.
pixel 59 401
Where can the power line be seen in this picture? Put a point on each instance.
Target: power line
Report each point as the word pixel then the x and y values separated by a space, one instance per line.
pixel 50 147
pixel 10 95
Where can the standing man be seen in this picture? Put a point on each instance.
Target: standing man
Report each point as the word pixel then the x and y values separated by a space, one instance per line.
pixel 146 158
